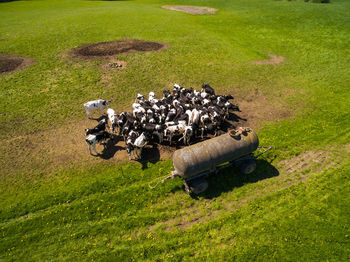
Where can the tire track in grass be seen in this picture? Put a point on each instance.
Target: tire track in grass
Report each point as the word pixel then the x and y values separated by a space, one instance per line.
pixel 293 171
pixel 136 221
pixel 281 182
pixel 87 214
pixel 123 195
pixel 186 218
pixel 122 179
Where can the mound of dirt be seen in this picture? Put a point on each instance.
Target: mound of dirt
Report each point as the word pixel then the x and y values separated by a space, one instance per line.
pixel 112 65
pixel 193 10
pixel 106 49
pixel 9 63
pixel 274 60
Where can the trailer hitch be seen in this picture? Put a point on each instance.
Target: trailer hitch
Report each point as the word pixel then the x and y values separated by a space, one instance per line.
pixel 263 150
pixel 172 175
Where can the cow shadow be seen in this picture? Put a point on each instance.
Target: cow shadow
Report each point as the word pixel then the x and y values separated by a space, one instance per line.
pixel 98 119
pixel 230 178
pixel 110 149
pixel 149 154
pixel 235 118
pixel 231 122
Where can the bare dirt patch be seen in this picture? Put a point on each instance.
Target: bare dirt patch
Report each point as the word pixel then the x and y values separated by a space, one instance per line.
pixel 193 10
pixel 61 146
pixel 274 60
pixel 64 146
pixel 10 63
pixel 257 108
pixel 113 48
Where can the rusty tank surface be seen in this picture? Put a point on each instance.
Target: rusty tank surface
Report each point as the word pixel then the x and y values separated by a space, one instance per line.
pixel 194 162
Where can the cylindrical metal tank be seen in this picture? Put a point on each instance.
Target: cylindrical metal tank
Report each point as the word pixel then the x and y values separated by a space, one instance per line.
pixel 205 156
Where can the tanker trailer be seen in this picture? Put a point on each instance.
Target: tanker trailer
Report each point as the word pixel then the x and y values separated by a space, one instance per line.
pixel 194 163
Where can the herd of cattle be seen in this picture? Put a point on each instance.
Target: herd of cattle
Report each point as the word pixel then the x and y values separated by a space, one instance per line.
pixel 183 114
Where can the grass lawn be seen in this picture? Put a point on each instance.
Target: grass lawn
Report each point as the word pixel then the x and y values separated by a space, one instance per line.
pixel 59 203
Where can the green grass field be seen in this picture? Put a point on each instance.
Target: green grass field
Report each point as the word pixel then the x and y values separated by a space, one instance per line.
pixel 59 203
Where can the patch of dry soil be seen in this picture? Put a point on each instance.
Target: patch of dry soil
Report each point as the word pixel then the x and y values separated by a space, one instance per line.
pixel 46 150
pixel 10 63
pixel 113 48
pixel 63 146
pixel 193 10
pixel 274 60
pixel 256 108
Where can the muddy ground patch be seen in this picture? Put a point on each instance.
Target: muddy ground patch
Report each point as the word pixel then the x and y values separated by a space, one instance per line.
pixel 11 63
pixel 115 48
pixel 193 10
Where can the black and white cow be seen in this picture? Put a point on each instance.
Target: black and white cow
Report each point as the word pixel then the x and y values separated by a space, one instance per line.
pixel 99 137
pixel 187 135
pixel 184 113
pixel 154 129
pixel 139 143
pixel 174 130
pixel 211 128
pixel 130 142
pixel 208 89
pixel 152 98
pixel 139 98
pixel 101 126
pixel 94 105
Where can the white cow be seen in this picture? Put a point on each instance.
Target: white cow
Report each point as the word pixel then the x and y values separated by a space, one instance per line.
pixel 195 117
pixel 204 95
pixel 94 105
pixel 139 143
pixel 205 102
pixel 112 116
pixel 197 93
pixel 189 114
pixel 152 98
pixel 135 106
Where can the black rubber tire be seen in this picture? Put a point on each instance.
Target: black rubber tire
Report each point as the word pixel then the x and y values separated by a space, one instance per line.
pixel 248 167
pixel 199 185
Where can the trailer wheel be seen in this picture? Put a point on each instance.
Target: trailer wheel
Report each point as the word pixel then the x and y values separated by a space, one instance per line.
pixel 198 185
pixel 248 167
